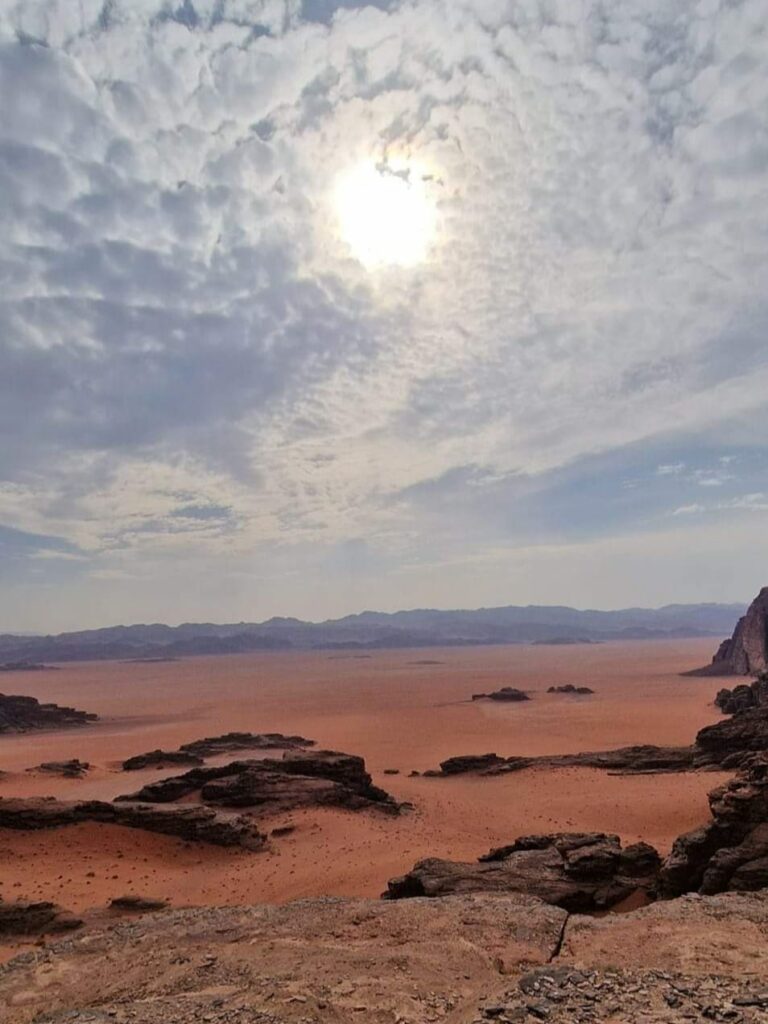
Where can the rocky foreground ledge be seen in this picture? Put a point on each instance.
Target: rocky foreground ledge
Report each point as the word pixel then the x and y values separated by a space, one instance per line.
pixel 458 960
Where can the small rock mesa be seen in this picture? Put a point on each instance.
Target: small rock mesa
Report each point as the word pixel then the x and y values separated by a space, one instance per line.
pixel 24 714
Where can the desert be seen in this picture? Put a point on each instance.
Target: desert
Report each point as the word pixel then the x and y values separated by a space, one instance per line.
pixel 395 714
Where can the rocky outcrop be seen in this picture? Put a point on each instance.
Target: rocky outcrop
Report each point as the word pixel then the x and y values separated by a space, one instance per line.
pixel 137 904
pixel 161 759
pixel 640 759
pixel 744 697
pixel 299 779
pixel 746 653
pixel 197 751
pixel 24 714
pixel 730 743
pixel 72 769
pixel 461 959
pixel 188 821
pixel 506 693
pixel 21 919
pixel 570 688
pixel 731 852
pixel 26 666
pixel 231 742
pixel 343 961
pixel 573 870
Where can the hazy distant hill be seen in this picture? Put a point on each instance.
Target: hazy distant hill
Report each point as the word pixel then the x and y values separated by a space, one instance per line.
pixel 418 628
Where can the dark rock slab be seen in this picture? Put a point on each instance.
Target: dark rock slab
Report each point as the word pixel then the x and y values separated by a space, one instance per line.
pixel 23 918
pixel 570 688
pixel 188 821
pixel 161 759
pixel 575 871
pixel 506 693
pixel 137 904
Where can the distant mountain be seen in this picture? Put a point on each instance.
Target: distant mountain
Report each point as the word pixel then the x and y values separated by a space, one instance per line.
pixel 369 630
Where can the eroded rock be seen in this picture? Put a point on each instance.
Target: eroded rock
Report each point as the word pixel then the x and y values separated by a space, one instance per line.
pixel 23 918
pixel 188 821
pixel 573 870
pixel 24 714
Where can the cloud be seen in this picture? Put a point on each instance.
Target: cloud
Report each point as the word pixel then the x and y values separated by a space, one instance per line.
pixel 194 366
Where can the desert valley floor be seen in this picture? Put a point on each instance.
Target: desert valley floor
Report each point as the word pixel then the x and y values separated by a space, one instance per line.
pixel 403 709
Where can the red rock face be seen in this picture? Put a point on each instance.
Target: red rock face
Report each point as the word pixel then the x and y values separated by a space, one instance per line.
pixel 746 653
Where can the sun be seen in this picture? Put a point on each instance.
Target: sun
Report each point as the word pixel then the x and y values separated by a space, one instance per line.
pixel 386 214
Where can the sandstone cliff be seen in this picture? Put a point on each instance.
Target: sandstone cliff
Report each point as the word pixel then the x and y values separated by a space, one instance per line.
pixel 746 653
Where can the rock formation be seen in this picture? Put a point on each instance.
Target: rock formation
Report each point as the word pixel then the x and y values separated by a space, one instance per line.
pixel 188 821
pixel 230 742
pixel 731 852
pixel 72 769
pixel 640 759
pixel 570 688
pixel 299 779
pixel 506 693
pixel 743 697
pixel 23 714
pixel 22 918
pixel 576 871
pixel 746 653
pixel 161 759
pixel 460 959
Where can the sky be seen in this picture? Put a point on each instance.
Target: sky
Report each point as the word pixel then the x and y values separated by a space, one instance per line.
pixel 311 307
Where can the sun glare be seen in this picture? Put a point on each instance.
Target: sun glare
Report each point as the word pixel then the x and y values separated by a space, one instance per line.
pixel 386 215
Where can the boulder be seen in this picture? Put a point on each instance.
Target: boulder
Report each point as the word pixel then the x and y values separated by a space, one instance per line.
pixel 469 763
pixel 570 688
pixel 729 743
pixel 573 870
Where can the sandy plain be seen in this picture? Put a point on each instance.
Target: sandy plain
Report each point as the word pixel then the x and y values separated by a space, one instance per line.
pixel 403 709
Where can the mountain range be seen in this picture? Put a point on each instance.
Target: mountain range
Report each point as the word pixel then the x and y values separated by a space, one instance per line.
pixel 369 630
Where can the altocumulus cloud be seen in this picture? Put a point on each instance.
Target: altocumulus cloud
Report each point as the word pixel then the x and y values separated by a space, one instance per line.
pixel 199 381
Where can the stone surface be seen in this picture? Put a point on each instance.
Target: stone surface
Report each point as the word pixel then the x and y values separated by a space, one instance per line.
pixel 570 688
pixel 576 871
pixel 187 821
pixel 458 960
pixel 24 714
pixel 343 961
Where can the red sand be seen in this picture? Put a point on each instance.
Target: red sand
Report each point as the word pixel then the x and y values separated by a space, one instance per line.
pixel 397 714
